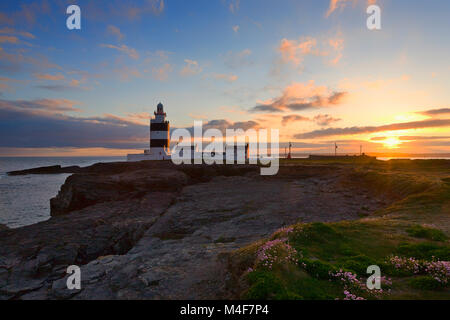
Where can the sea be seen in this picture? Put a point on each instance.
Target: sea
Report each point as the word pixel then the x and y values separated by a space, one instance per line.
pixel 25 200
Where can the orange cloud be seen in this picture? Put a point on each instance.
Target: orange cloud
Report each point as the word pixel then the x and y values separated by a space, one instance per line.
pixel 340 4
pixel 55 77
pixel 40 105
pixel 162 73
pixel 132 53
pixel 227 77
pixel 293 118
pixel 436 123
pixel 301 96
pixel 295 50
pixel 325 119
pixel 434 112
pixel 191 68
pixel 115 31
pixel 9 39
pixel 337 44
pixel 11 31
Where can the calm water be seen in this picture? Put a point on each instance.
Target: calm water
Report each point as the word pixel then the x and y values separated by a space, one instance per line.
pixel 25 200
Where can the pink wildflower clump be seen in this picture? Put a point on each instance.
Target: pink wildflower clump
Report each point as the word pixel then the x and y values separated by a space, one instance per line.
pixel 347 278
pixel 353 284
pixel 439 270
pixel 406 264
pixel 275 252
pixel 350 296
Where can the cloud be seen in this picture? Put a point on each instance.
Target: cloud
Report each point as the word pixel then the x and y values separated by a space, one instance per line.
pixel 237 60
pixel 52 77
pixel 11 31
pixel 9 39
pixel 371 129
pixel 223 125
pixel 325 119
pixel 434 112
pixel 334 5
pixel 235 28
pixel 337 44
pixel 115 31
pixel 27 14
pixel 301 96
pixel 15 60
pixel 191 68
pixel 162 73
pixel 74 84
pixel 340 4
pixel 66 85
pixel 295 51
pixel 39 105
pixel 227 77
pixel 22 128
pixel 233 110
pixel 293 118
pixel 132 53
pixel 118 10
pixel 233 5
pixel 412 138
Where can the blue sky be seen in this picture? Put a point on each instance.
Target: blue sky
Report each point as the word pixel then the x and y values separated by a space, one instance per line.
pixel 218 60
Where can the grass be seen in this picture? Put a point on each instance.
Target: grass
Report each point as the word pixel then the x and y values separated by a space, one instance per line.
pixel 425 283
pixel 419 231
pixel 403 229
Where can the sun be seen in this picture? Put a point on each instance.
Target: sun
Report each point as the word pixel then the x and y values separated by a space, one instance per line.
pixel 391 142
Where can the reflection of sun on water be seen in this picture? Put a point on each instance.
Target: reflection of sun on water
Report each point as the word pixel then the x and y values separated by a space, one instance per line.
pixel 391 142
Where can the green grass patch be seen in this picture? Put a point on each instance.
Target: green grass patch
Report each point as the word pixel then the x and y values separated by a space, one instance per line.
pixel 425 283
pixel 419 231
pixel 424 250
pixel 293 286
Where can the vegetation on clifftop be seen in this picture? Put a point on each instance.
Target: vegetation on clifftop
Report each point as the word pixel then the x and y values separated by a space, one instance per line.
pixel 408 241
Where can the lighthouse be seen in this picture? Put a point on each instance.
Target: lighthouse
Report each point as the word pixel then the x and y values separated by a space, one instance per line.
pixel 159 138
pixel 159 132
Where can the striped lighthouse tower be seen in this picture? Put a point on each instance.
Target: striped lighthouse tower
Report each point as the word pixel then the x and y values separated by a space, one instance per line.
pixel 159 139
pixel 159 135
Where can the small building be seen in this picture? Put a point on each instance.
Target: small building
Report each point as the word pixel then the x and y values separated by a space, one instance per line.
pixel 231 153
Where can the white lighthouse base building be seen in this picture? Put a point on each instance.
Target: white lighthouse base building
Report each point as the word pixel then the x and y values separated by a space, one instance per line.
pixel 149 155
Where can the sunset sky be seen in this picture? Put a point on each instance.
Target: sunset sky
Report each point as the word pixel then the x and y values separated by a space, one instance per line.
pixel 312 69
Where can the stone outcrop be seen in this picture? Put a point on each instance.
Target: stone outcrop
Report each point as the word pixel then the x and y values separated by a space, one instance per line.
pixel 46 170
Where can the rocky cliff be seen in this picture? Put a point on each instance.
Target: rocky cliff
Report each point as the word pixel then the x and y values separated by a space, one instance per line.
pixel 152 230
